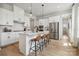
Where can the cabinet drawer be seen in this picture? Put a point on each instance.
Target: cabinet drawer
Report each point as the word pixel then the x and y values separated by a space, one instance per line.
pixel 5 41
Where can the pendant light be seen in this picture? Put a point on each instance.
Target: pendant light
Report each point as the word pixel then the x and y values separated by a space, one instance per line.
pixel 30 9
pixel 42 10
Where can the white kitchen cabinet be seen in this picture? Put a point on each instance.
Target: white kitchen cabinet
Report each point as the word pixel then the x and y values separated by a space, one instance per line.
pixel 41 21
pixel 54 19
pixel 3 39
pixel 44 22
pixel 6 17
pixel 8 38
pixel 18 14
pixel 27 21
pixel 10 18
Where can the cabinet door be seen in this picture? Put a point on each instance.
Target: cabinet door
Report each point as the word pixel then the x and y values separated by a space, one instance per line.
pixel 25 20
pixel 4 39
pixel 16 37
pixel 41 22
pixel 8 38
pixel 18 14
pixel 6 17
pixel 12 38
pixel 10 18
pixel 3 16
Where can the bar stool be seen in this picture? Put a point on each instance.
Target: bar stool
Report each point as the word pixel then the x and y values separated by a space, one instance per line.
pixel 37 45
pixel 42 41
pixel 46 39
pixel 47 36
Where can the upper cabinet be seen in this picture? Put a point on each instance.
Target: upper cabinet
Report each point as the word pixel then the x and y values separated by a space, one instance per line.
pixel 54 19
pixel 30 21
pixel 41 21
pixel 18 14
pixel 6 17
pixel 44 22
pixel 27 21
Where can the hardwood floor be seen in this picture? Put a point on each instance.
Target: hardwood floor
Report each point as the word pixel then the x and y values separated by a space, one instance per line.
pixel 54 48
pixel 59 48
pixel 11 50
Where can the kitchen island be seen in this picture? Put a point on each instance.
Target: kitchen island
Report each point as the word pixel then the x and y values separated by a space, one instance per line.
pixel 24 41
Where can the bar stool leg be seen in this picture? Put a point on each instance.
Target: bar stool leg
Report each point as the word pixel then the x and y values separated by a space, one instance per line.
pixel 48 41
pixel 30 48
pixel 39 45
pixel 35 49
pixel 42 45
pixel 43 42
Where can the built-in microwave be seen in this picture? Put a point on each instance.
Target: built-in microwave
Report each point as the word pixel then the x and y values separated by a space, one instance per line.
pixel 41 28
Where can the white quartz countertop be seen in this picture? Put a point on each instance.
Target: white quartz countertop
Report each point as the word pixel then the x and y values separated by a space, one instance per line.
pixel 34 33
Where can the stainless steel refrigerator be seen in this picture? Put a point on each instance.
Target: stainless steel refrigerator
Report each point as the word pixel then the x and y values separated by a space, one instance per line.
pixel 54 30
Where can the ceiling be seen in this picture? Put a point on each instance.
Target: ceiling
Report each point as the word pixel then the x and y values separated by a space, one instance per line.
pixel 48 7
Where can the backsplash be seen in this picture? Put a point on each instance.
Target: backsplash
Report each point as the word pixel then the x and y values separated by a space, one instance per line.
pixel 2 28
pixel 17 27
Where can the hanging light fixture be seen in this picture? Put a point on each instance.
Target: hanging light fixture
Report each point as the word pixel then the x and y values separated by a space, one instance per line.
pixel 31 9
pixel 42 10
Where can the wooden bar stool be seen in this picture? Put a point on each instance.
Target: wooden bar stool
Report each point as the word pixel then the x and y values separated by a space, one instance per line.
pixel 36 44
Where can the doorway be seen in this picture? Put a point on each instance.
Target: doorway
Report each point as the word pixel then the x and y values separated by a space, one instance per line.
pixel 67 26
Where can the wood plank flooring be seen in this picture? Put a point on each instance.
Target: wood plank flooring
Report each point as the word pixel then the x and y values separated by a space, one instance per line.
pixel 11 50
pixel 54 48
pixel 59 48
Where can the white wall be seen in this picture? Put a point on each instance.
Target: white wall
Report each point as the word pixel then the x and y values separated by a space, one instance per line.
pixel 75 25
pixel 73 17
pixel 78 24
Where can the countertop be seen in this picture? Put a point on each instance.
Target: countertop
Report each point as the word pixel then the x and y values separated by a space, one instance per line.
pixel 11 32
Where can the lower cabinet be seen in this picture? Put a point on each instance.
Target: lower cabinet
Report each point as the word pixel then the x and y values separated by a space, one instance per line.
pixel 8 38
